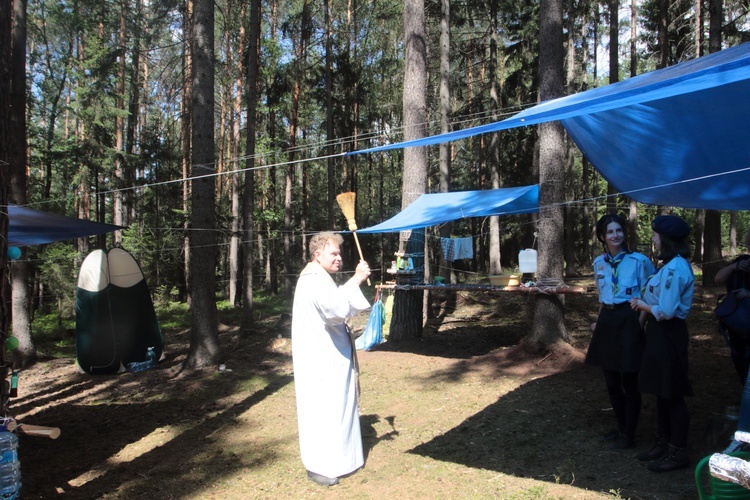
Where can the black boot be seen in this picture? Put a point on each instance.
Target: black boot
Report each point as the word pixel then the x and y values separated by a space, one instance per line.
pixel 675 459
pixel 622 443
pixel 657 451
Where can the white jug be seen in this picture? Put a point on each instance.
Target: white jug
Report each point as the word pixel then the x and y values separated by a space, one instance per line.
pixel 527 261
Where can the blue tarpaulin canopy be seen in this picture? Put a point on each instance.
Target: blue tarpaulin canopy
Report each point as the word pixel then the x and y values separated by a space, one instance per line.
pixel 676 136
pixel 438 208
pixel 32 227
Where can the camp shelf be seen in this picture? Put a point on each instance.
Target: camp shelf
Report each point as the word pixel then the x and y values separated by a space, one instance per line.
pixel 543 289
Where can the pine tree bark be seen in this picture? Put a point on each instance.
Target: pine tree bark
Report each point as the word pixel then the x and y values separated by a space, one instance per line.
pixel 204 335
pixel 494 242
pixel 6 16
pixel 118 206
pixel 248 199
pixel 408 304
pixel 25 354
pixel 712 258
pixel 234 186
pixel 548 326
pixel 445 114
pixel 186 139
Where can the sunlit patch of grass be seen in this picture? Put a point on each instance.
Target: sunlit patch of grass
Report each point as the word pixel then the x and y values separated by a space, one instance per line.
pixel 529 493
pixel 173 316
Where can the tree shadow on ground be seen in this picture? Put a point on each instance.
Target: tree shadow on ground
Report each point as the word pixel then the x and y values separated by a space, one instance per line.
pixel 550 427
pixel 146 434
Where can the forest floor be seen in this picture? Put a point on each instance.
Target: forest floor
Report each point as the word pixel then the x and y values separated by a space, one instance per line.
pixel 463 412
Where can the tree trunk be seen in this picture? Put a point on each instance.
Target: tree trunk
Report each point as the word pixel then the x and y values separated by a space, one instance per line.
pixel 186 138
pixel 6 16
pixel 494 243
pixel 118 206
pixel 548 326
pixel 571 241
pixel 25 354
pixel 663 33
pixel 407 319
pixel 204 335
pixel 235 192
pixel 445 119
pixel 248 201
pixel 712 258
pixel 301 54
pixel 332 188
pixel 614 77
pixel 698 229
pixel 408 305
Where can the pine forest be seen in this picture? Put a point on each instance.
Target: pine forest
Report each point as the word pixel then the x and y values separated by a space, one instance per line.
pixel 217 131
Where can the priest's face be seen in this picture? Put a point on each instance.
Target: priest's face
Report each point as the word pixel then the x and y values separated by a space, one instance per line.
pixel 329 257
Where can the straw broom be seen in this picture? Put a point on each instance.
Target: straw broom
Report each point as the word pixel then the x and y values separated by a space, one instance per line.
pixel 347 202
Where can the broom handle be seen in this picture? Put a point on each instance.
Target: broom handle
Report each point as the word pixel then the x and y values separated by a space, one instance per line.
pixel 356 240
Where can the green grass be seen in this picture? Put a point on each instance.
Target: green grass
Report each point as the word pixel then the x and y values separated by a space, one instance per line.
pixel 55 336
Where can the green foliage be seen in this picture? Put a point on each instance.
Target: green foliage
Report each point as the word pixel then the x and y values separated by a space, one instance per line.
pixel 60 274
pixel 75 101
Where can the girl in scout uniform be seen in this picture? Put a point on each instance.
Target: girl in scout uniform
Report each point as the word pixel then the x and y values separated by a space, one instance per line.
pixel 617 342
pixel 664 372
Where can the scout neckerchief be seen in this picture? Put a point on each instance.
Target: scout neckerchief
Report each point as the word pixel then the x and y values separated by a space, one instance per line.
pixel 614 262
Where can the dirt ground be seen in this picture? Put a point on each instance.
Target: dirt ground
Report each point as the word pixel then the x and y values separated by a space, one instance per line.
pixel 463 412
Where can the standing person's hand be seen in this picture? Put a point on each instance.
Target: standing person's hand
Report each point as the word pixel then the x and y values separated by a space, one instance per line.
pixel 362 272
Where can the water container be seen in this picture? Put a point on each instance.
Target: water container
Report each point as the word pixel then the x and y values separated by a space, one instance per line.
pixel 8 447
pixel 10 480
pixel 10 467
pixel 527 261
pixel 139 366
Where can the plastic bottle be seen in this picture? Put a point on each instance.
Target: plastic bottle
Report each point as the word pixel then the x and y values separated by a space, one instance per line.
pixel 527 261
pixel 10 467
pixel 139 366
pixel 14 384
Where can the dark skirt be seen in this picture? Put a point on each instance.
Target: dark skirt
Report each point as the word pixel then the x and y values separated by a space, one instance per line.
pixel 664 370
pixel 617 343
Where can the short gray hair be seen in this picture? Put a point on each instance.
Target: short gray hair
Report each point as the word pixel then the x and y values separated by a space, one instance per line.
pixel 320 240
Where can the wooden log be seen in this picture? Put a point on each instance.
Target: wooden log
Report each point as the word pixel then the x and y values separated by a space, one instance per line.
pixel 39 430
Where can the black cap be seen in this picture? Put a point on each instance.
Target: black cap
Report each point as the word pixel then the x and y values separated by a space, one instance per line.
pixel 671 226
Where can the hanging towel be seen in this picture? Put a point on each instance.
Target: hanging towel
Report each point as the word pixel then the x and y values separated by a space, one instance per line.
pixel 465 248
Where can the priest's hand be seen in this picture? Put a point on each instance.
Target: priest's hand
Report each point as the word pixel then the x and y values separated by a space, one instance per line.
pixel 362 272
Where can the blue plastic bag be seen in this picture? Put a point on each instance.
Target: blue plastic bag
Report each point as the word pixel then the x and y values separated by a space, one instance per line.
pixel 373 334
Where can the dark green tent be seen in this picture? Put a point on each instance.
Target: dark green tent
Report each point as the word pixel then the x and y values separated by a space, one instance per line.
pixel 116 323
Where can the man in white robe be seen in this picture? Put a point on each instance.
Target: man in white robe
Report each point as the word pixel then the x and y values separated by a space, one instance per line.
pixel 325 375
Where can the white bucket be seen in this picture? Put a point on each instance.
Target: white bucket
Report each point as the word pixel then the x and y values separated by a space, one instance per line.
pixel 527 261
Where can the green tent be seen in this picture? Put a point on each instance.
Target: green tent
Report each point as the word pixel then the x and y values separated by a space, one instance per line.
pixel 116 324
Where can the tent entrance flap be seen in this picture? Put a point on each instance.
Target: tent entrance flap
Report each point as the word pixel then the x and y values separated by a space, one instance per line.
pixel 439 208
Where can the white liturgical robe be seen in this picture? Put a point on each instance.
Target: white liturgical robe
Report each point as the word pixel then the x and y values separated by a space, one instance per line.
pixel 324 372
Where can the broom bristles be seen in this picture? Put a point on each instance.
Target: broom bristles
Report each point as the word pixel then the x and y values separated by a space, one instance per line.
pixel 347 203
